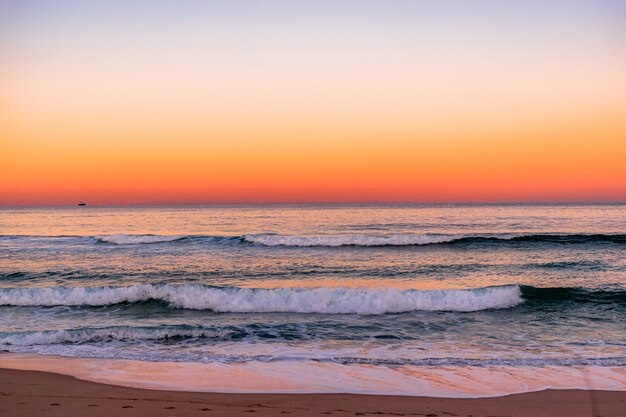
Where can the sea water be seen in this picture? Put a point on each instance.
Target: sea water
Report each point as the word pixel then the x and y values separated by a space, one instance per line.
pixel 404 299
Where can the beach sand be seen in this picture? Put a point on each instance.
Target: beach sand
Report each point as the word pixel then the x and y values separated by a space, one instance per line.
pixel 34 393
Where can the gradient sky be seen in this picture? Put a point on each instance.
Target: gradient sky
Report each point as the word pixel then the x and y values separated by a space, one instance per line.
pixel 123 102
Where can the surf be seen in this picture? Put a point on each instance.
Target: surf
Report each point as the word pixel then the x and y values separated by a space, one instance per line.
pixel 304 241
pixel 124 239
pixel 322 300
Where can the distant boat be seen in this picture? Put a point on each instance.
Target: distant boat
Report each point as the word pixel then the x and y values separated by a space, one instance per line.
pixel 82 204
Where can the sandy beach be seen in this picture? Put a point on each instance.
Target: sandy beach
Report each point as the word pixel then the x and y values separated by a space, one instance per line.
pixel 28 393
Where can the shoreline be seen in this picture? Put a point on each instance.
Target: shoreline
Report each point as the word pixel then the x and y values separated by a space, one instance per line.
pixel 27 393
pixel 323 378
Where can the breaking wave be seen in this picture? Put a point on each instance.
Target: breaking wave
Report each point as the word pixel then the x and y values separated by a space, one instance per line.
pixel 123 239
pixel 65 342
pixel 325 300
pixel 119 333
pixel 350 240
pixel 429 239
pixel 359 240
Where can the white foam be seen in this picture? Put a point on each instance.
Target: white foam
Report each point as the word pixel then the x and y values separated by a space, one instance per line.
pixel 123 239
pixel 368 240
pixel 329 300
pixel 350 240
pixel 121 333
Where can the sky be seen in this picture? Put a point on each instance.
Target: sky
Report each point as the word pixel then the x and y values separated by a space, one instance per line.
pixel 243 101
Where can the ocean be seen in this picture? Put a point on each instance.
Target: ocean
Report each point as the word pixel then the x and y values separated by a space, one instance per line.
pixel 447 300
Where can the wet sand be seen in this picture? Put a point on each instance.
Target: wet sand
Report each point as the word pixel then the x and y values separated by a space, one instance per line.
pixel 34 393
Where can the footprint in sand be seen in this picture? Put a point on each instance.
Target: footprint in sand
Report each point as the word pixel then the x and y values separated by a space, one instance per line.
pixel 55 404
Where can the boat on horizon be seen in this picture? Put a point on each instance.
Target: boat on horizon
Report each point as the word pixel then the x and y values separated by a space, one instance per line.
pixel 82 204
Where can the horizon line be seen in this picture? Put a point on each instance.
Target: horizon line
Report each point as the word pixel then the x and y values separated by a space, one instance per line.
pixel 326 203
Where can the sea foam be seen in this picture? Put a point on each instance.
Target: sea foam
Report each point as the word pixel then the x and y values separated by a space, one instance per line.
pixel 124 239
pixel 117 333
pixel 325 300
pixel 350 240
pixel 358 240
pixel 430 239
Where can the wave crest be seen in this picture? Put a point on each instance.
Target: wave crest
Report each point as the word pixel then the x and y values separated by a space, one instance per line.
pixel 330 240
pixel 123 239
pixel 431 239
pixel 350 240
pixel 280 300
pixel 120 333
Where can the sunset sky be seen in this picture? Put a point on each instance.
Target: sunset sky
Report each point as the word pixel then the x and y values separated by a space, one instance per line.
pixel 142 102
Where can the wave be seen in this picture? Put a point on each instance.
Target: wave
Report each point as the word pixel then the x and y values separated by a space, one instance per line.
pixel 570 294
pixel 123 239
pixel 118 333
pixel 325 300
pixel 64 342
pixel 322 300
pixel 594 361
pixel 350 240
pixel 429 239
pixel 358 240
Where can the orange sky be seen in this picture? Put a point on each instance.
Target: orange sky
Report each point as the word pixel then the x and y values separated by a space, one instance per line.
pixel 170 108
